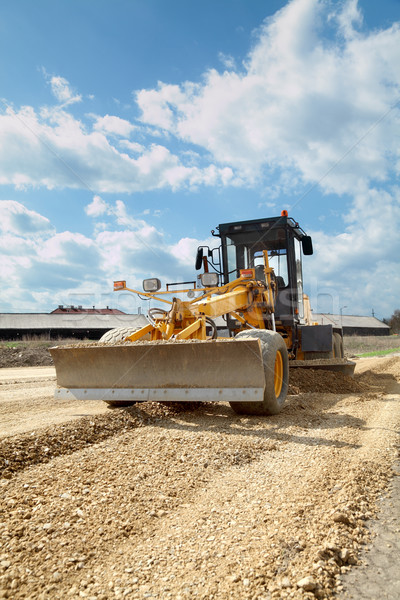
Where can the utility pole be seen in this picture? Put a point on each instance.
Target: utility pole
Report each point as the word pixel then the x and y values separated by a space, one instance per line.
pixel 341 315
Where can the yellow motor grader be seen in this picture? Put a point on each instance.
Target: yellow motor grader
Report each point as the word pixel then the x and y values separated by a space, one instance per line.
pixel 252 283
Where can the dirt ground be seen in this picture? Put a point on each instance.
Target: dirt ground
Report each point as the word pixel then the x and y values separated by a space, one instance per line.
pixel 27 401
pixel 158 501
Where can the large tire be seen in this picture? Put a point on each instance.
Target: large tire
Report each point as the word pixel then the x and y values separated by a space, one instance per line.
pixel 276 373
pixel 113 337
pixel 119 334
pixel 338 346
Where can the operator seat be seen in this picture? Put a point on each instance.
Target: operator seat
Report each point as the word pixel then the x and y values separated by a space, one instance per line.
pixel 260 275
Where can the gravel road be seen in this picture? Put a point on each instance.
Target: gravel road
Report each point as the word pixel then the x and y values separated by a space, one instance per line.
pixel 160 502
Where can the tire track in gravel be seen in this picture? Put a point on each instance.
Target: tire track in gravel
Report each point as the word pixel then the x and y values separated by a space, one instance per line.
pixel 296 514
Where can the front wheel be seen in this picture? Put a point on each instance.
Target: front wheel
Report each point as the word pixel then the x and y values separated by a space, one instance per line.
pixel 113 336
pixel 276 374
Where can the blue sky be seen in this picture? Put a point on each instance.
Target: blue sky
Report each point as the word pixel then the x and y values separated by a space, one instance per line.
pixel 130 129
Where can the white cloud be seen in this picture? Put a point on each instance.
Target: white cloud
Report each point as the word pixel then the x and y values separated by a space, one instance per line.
pixel 132 146
pixel 68 267
pixel 67 248
pixel 350 17
pixel 55 150
pixel 157 105
pixel 62 91
pixel 304 102
pixel 359 267
pixel 227 60
pixel 110 124
pixel 16 218
pixel 305 107
pixel 40 267
pixel 96 208
pixel 314 104
pixel 185 249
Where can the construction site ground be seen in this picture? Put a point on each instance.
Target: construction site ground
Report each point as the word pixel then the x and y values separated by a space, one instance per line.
pixel 157 501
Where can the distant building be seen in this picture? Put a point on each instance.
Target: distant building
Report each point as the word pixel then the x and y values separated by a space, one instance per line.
pixel 91 323
pixel 353 325
pixel 66 322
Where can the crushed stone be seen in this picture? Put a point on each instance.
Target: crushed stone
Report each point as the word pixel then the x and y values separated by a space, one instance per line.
pixel 202 503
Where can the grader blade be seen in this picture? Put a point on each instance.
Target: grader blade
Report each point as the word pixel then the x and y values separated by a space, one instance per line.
pixel 229 371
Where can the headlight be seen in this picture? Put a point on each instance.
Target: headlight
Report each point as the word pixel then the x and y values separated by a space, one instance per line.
pixel 209 279
pixel 151 285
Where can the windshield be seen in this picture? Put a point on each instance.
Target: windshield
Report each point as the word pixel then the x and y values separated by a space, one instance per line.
pixel 244 251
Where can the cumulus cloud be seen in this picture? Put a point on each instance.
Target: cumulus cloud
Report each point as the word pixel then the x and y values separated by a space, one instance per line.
pixel 315 104
pixel 68 267
pixel 359 266
pixel 38 262
pixel 16 218
pixel 227 60
pixel 62 91
pixel 349 18
pixel 303 102
pixel 185 251
pixel 110 124
pixel 99 207
pixel 55 150
pixel 96 208
pixel 132 146
pixel 69 248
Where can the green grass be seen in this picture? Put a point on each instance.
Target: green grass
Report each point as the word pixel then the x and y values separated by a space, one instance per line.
pixel 21 345
pixel 378 352
pixel 37 343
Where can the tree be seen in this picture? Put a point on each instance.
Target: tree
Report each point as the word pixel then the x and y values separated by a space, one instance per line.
pixel 394 321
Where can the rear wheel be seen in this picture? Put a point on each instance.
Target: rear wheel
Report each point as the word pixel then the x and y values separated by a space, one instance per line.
pixel 276 373
pixel 338 346
pixel 119 334
pixel 113 337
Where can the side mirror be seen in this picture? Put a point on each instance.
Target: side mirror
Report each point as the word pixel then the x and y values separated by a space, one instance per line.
pixel 199 259
pixel 214 256
pixel 306 242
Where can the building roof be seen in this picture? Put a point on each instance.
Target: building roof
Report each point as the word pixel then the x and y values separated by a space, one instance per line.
pixel 80 309
pixel 348 321
pixel 69 320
